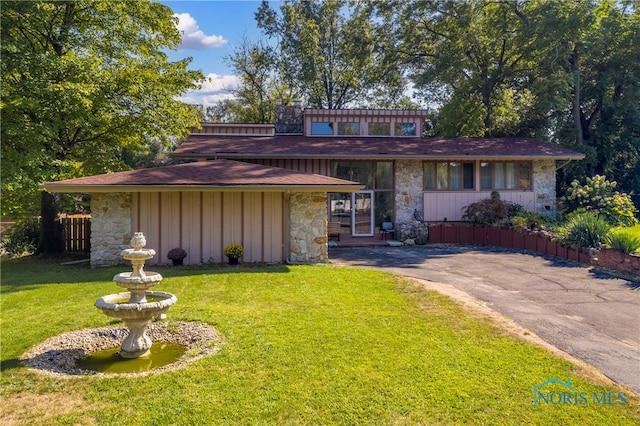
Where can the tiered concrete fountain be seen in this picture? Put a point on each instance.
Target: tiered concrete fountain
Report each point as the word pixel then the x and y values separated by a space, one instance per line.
pixel 137 306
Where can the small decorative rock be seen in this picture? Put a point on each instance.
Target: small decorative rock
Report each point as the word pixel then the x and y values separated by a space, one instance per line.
pixel 59 354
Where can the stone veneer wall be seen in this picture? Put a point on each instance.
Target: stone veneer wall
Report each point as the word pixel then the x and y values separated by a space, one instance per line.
pixel 110 227
pixel 308 227
pixel 409 195
pixel 409 192
pixel 544 186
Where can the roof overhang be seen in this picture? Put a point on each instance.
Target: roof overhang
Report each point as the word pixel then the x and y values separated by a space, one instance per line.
pixel 70 188
pixel 221 175
pixel 370 148
pixel 378 156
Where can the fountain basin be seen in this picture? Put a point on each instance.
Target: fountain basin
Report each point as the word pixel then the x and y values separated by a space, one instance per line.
pixel 117 306
pixel 139 282
pixel 138 253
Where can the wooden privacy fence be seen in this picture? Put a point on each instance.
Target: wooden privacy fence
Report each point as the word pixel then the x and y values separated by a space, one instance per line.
pixel 77 232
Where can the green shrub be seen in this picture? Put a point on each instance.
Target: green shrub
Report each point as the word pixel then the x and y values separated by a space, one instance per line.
pixel 487 211
pixel 494 210
pixel 599 195
pixel 22 237
pixel 624 242
pixel 516 209
pixel 585 230
pixel 527 220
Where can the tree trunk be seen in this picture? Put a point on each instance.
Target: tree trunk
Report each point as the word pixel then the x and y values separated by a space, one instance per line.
pixel 51 241
pixel 577 121
pixel 488 117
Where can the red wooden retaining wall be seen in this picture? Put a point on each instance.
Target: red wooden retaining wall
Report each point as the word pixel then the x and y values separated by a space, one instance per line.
pixel 524 240
pixel 614 259
pixel 504 237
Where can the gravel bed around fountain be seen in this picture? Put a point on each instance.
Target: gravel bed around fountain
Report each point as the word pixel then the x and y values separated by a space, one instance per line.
pixel 59 354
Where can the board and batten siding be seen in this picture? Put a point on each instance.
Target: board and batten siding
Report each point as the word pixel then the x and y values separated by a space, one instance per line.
pixel 315 166
pixel 203 223
pixel 449 205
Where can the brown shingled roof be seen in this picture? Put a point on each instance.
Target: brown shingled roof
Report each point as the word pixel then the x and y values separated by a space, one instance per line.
pixel 286 146
pixel 212 174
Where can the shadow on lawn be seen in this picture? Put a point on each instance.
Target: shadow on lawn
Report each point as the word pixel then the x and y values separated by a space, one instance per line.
pixel 10 364
pixel 56 361
pixel 29 273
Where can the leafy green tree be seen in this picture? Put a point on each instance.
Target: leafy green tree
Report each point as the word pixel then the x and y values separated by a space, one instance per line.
pixel 464 57
pixel 564 71
pixel 588 72
pixel 83 83
pixel 261 86
pixel 331 53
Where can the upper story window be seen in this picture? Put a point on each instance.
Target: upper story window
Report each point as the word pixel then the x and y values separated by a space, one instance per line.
pixel 376 175
pixel 321 128
pixel 379 129
pixel 405 129
pixel 505 175
pixel 451 175
pixel 349 129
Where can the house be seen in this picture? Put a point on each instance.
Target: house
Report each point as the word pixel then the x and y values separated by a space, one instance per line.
pixel 274 187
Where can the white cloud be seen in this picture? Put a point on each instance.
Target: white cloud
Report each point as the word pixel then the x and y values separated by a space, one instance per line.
pixel 215 88
pixel 193 37
pixel 216 83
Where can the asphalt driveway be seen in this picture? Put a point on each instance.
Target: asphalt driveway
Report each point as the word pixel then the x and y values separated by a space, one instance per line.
pixel 588 314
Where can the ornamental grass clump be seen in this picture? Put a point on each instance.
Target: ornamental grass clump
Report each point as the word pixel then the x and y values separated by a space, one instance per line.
pixel 584 230
pixel 625 243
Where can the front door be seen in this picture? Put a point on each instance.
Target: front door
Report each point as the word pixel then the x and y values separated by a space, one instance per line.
pixel 362 223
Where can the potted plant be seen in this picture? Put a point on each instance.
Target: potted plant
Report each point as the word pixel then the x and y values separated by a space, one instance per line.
pixel 234 252
pixel 177 255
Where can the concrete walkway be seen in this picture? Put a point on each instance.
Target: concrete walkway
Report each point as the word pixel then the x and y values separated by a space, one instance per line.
pixel 590 315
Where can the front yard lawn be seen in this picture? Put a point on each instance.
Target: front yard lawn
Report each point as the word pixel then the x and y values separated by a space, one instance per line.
pixel 632 230
pixel 303 345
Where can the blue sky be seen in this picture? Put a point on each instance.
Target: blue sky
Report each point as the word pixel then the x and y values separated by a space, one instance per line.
pixel 212 29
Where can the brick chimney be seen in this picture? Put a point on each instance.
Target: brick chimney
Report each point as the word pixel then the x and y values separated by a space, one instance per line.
pixel 289 119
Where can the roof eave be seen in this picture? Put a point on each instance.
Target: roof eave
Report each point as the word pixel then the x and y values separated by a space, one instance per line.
pixel 70 188
pixel 379 156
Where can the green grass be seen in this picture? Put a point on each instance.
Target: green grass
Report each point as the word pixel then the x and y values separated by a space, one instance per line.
pixel 304 345
pixel 631 230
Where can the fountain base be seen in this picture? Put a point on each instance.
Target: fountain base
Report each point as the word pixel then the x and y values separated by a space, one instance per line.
pixel 137 316
pixel 137 343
